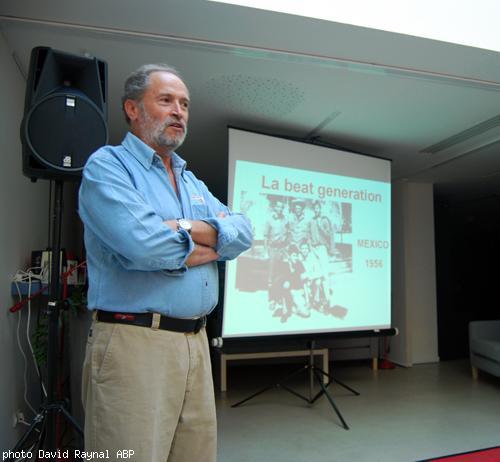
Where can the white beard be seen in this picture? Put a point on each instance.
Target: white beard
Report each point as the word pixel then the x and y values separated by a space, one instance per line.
pixel 155 132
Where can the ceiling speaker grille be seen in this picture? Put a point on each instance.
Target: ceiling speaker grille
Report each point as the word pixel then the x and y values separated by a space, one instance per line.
pixel 258 95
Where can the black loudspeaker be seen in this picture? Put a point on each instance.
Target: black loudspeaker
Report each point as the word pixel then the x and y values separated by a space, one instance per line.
pixel 65 113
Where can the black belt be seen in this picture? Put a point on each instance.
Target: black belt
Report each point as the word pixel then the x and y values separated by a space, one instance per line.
pixel 146 320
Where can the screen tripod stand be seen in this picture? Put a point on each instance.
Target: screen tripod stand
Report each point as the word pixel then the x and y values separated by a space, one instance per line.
pixel 42 433
pixel 315 373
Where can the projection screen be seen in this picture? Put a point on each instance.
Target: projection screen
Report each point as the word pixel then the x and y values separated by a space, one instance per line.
pixel 321 258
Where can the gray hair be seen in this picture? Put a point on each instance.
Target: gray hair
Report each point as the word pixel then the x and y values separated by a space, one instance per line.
pixel 138 82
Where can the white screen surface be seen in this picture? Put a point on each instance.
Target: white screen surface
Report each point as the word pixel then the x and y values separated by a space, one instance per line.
pixel 320 261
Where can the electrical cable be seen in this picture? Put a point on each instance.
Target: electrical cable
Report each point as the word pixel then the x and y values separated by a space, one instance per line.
pixel 25 375
pixel 29 276
pixel 23 276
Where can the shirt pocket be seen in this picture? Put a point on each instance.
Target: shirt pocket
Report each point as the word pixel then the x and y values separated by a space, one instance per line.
pixel 199 211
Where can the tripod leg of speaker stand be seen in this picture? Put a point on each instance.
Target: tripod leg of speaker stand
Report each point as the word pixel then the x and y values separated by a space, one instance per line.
pixel 38 421
pixel 71 420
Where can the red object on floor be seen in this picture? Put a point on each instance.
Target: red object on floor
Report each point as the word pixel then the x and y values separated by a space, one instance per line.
pixel 483 455
pixel 386 364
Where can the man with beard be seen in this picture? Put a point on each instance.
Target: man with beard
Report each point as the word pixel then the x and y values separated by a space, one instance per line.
pixel 153 234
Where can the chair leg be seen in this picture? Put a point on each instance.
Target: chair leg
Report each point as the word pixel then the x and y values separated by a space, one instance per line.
pixel 475 373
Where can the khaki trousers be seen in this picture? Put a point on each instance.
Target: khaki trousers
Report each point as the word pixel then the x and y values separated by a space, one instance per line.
pixel 151 392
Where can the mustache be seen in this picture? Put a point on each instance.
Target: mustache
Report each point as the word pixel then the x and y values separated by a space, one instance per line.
pixel 172 120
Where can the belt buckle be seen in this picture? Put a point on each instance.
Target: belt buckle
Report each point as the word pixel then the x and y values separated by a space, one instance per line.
pixel 155 321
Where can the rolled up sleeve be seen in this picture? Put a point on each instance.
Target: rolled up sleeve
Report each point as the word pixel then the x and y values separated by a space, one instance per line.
pixel 234 230
pixel 234 235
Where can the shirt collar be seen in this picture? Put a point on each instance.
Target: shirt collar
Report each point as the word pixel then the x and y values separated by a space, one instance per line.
pixel 146 154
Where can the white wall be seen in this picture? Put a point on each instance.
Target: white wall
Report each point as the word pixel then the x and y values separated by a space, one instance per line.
pixel 24 226
pixel 414 275
pixel 400 348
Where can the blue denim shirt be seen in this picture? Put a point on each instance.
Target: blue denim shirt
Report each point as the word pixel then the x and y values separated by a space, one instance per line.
pixel 136 263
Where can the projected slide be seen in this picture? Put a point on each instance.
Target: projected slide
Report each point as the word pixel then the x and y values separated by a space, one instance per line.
pixel 321 255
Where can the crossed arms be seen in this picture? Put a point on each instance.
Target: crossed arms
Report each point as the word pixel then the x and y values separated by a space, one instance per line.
pixel 205 239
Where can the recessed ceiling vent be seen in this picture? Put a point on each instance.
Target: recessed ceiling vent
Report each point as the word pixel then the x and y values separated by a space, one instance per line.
pixel 255 95
pixel 479 135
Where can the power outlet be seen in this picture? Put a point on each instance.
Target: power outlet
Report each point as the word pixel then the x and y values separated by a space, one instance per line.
pixel 17 418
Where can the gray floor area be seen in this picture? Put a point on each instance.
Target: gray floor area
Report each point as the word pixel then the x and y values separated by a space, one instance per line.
pixel 402 415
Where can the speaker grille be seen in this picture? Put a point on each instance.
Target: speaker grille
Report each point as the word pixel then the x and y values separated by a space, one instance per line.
pixel 63 129
pixel 65 112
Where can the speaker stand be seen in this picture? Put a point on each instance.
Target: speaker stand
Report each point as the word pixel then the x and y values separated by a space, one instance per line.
pixel 43 429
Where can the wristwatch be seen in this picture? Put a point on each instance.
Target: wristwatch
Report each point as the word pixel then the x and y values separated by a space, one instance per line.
pixel 184 224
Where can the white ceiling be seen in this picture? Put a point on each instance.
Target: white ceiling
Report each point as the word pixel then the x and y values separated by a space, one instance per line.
pixel 375 92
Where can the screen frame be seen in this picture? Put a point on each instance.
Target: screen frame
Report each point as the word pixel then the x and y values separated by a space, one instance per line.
pixel 302 335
